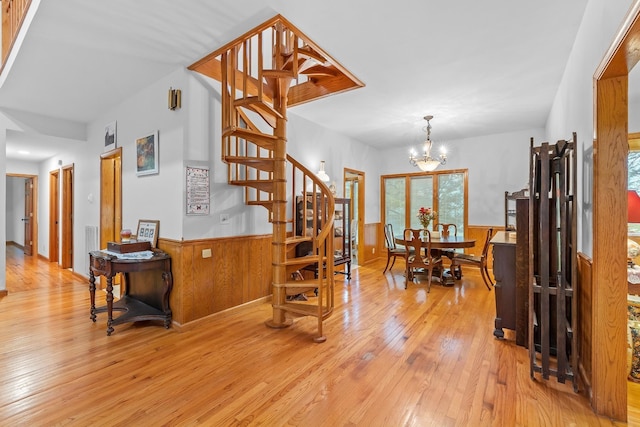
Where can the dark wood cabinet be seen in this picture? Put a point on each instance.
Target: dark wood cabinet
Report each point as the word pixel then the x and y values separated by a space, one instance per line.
pixel 504 271
pixel 342 244
pixel 342 232
pixel 147 286
pixel 510 208
pixel 511 271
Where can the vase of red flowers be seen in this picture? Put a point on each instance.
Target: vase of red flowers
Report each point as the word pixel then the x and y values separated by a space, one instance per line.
pixel 425 216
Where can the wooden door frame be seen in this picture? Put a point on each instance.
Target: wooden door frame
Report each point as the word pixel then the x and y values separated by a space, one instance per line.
pixel 34 203
pixel 360 179
pixel 105 235
pixel 609 273
pixel 54 216
pixel 27 244
pixel 66 255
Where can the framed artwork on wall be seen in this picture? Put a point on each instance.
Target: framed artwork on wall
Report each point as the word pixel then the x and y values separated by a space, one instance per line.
pixel 148 231
pixel 198 188
pixel 110 136
pixel 147 154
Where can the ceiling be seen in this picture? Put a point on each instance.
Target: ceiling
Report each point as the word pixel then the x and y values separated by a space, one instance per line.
pixel 478 67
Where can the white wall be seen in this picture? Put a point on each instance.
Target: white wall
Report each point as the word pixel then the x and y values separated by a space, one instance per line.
pixel 309 144
pixel 17 167
pixel 573 105
pixel 306 142
pixel 203 149
pixel 144 197
pixel 496 163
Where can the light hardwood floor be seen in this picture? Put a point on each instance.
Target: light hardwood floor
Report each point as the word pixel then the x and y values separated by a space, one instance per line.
pixel 393 357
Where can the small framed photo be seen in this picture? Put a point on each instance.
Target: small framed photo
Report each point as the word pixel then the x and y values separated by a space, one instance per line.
pixel 110 136
pixel 147 154
pixel 148 231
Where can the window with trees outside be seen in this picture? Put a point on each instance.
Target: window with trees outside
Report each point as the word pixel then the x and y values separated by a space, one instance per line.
pixel 443 191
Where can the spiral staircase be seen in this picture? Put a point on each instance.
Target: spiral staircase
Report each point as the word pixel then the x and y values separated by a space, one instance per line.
pixel 262 73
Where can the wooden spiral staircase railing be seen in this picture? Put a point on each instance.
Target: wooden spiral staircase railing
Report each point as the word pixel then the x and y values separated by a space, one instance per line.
pixel 263 73
pixel 13 13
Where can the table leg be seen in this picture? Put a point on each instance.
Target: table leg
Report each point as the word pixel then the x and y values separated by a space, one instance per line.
pixel 92 293
pixel 109 305
pixel 167 277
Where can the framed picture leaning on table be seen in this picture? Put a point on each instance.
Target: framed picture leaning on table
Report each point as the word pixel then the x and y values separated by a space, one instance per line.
pixel 148 231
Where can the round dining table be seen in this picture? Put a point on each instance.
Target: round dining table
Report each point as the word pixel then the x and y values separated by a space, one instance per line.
pixel 441 243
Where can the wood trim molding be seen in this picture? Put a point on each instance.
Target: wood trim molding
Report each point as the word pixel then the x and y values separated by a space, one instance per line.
pixel 238 271
pixel 585 302
pixel 608 376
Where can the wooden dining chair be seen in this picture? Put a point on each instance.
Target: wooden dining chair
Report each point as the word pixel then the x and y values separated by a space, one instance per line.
pixel 393 251
pixel 460 259
pixel 422 260
pixel 448 229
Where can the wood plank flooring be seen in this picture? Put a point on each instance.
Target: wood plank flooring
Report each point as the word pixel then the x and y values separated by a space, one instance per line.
pixel 393 357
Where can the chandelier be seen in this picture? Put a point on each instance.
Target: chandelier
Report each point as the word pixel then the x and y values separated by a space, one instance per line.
pixel 425 162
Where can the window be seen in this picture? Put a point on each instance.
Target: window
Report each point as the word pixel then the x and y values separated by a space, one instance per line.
pixel 444 191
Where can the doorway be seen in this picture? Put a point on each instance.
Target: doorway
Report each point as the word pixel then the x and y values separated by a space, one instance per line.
pixel 110 196
pixel 354 190
pixel 21 212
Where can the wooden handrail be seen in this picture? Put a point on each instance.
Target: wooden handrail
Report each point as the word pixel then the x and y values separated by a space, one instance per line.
pixel 13 13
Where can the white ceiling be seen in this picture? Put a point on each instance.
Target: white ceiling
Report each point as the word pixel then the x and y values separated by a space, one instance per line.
pixel 479 67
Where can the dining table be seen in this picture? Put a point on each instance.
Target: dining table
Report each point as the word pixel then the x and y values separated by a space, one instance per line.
pixel 443 243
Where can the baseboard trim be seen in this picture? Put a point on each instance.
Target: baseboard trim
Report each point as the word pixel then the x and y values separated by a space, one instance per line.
pixel 219 315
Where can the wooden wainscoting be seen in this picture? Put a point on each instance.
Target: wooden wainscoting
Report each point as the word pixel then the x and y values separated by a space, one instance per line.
pixel 373 242
pixel 238 271
pixel 479 233
pixel 585 316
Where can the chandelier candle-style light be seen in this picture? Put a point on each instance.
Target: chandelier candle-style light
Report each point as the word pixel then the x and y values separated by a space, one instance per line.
pixel 425 162
pixel 322 174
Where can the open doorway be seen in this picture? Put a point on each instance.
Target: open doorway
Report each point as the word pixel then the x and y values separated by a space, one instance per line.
pixel 354 190
pixel 21 212
pixel 110 201
pixel 21 193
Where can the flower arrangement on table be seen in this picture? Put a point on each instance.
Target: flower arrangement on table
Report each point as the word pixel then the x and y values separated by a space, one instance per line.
pixel 425 216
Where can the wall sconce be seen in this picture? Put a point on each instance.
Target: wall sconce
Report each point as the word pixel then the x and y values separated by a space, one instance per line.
pixel 175 99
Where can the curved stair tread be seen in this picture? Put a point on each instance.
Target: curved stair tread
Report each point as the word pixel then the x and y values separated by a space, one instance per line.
pixel 259 184
pixel 263 140
pixel 261 163
pixel 257 105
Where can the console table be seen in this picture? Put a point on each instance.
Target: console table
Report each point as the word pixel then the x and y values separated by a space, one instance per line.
pixel 146 295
